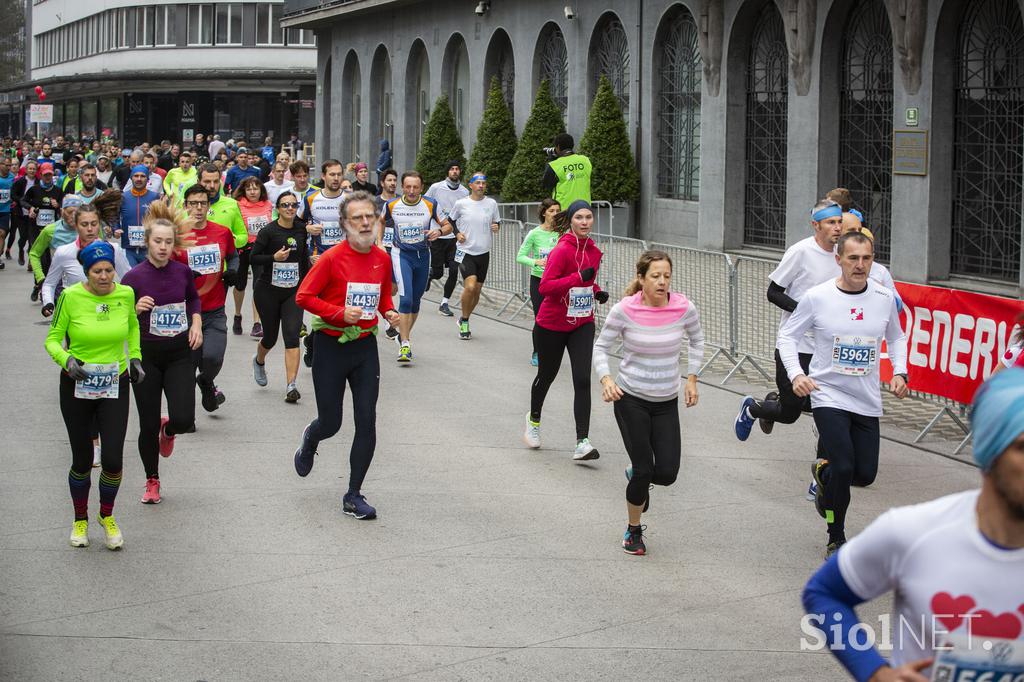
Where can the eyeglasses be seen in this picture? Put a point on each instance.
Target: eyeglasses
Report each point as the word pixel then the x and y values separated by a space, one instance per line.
pixel 197 204
pixel 287 205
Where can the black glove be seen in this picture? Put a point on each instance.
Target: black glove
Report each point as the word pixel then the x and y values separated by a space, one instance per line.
pixel 587 274
pixel 135 372
pixel 229 277
pixel 601 297
pixel 47 310
pixel 75 369
pixel 196 275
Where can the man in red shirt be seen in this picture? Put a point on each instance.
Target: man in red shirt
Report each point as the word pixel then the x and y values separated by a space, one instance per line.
pixel 214 247
pixel 348 287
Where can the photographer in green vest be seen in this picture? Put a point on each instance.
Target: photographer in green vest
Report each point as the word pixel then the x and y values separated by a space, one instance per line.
pixel 567 175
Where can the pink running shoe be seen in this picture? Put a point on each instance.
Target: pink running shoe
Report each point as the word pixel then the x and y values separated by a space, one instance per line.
pixel 166 442
pixel 152 494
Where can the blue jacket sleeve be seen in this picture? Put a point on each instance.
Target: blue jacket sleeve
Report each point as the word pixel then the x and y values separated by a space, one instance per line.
pixel 830 601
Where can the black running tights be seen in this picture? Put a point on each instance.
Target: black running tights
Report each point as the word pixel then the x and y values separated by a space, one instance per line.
pixel 550 347
pixel 852 460
pixel 650 432
pixel 169 372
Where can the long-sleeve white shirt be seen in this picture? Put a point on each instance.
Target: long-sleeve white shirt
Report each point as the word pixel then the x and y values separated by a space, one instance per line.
pixel 66 270
pixel 848 332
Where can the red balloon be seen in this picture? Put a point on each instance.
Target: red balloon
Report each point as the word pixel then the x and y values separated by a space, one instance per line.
pixel 42 96
pixel 39 89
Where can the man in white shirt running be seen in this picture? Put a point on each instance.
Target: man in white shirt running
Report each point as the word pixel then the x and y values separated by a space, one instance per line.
pixel 849 316
pixel 955 566
pixel 475 220
pixel 277 185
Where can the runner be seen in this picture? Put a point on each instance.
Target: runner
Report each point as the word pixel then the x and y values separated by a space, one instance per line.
pixel 442 251
pixel 53 237
pixel 280 255
pixel 650 324
pixel 346 291
pixel 6 184
pixel 241 170
pixel 88 186
pixel 42 201
pixel 216 263
pixel 96 317
pixel 475 219
pixel 565 321
pixel 171 328
pixel 180 176
pixel 301 187
pixel 157 176
pixel 277 185
pixel 257 212
pixel 320 210
pixel 20 220
pixel 849 317
pixel 953 565
pixel 412 216
pixel 534 253
pixel 136 201
pixel 65 268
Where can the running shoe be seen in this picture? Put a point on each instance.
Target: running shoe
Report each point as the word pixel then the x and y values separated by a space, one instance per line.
pixel 767 424
pixel 259 372
pixel 114 538
pixel 633 540
pixel 209 395
pixel 236 326
pixel 744 422
pixel 293 395
pixel 533 360
pixel 166 442
pixel 307 354
pixel 405 353
pixel 34 296
pixel 152 494
pixel 833 547
pixel 532 435
pixel 219 396
pixel 97 455
pixel 464 332
pixel 80 533
pixel 257 331
pixel 2 266
pixel 647 502
pixel 819 492
pixel 304 455
pixel 812 491
pixel 445 310
pixel 585 451
pixel 392 332
pixel 303 331
pixel 21 257
pixel 356 505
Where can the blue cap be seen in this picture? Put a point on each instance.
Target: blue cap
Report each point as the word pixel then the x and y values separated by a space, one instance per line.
pixel 997 416
pixel 141 168
pixel 94 253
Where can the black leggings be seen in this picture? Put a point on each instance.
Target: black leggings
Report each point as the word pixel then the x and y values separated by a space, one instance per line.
pixel 357 363
pixel 171 372
pixel 650 432
pixel 20 230
pixel 277 308
pixel 82 415
pixel 550 346
pixel 442 256
pixel 535 298
pixel 787 409
pixel 852 460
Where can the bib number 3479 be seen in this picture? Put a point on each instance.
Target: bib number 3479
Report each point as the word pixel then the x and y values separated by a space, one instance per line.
pixel 102 382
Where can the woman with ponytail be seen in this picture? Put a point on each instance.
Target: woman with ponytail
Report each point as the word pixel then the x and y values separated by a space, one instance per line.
pixel 565 322
pixel 171 326
pixel 651 323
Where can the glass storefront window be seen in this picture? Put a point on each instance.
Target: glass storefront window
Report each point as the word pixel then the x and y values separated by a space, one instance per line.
pixel 71 110
pixel 90 117
pixel 109 118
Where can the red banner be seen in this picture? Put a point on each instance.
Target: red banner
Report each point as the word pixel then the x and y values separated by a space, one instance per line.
pixel 954 338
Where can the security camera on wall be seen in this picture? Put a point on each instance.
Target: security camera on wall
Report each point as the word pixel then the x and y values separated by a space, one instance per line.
pixel 570 13
pixel 482 7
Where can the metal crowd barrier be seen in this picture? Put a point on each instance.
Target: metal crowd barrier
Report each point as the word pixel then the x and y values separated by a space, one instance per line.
pixel 527 212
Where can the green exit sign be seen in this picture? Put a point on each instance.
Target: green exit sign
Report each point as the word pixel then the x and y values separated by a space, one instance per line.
pixel 913 116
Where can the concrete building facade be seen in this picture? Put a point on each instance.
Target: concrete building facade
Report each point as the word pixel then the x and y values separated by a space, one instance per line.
pixel 742 112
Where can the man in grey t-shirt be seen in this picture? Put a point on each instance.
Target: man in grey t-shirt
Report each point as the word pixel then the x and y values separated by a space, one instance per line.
pixel 475 221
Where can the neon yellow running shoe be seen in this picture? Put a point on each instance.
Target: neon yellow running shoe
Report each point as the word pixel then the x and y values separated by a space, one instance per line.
pixel 80 534
pixel 114 538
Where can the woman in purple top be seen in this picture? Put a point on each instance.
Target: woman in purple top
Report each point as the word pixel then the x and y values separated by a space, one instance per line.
pixel 171 326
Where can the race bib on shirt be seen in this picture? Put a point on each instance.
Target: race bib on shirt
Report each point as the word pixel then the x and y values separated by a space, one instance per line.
pixel 5 196
pixel 854 355
pixel 543 253
pixel 331 234
pixel 58 157
pixel 365 296
pixel 102 382
pixel 978 659
pixel 285 275
pixel 389 236
pixel 45 216
pixel 168 320
pixel 581 302
pixel 410 234
pixel 136 236
pixel 255 224
pixel 460 255
pixel 204 259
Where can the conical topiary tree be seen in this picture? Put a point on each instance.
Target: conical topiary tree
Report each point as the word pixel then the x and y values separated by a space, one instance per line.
pixel 522 182
pixel 606 142
pixel 495 140
pixel 441 143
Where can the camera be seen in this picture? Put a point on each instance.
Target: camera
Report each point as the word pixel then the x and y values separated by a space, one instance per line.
pixel 482 7
pixel 550 151
pixel 570 13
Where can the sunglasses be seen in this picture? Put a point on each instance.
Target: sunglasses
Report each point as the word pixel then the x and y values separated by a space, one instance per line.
pixel 287 205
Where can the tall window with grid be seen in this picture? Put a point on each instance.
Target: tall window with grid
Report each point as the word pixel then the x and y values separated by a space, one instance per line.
pixel 678 114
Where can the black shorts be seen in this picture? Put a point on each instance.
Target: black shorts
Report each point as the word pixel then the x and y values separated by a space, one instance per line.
pixel 5 222
pixel 442 256
pixel 475 266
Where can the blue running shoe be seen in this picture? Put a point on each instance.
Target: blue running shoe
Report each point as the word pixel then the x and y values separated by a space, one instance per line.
pixel 812 491
pixel 745 422
pixel 304 455
pixel 533 360
pixel 633 540
pixel 356 505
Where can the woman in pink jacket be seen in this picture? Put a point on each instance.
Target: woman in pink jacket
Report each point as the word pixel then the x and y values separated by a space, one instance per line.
pixel 565 321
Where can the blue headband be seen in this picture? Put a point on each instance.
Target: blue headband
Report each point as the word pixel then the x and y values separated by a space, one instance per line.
pixel 997 416
pixel 141 168
pixel 860 216
pixel 830 211
pixel 94 253
pixel 478 176
pixel 577 205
